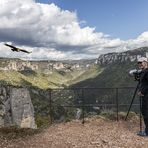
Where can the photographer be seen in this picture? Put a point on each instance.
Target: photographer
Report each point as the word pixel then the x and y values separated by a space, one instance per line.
pixel 143 91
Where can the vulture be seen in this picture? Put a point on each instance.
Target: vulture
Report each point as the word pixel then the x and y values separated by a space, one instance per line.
pixel 13 48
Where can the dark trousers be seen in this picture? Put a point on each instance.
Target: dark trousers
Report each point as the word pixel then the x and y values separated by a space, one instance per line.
pixel 144 111
pixel 146 125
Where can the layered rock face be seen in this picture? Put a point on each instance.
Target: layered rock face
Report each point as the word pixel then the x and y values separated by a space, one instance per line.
pixel 16 108
pixel 20 65
pixel 120 57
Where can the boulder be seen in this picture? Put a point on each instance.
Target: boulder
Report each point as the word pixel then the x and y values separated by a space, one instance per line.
pixel 16 108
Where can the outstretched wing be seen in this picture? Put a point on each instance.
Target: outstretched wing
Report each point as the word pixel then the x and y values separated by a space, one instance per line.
pixel 24 50
pixel 10 46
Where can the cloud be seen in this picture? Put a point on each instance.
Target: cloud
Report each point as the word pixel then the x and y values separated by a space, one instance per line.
pixel 43 25
pixel 53 33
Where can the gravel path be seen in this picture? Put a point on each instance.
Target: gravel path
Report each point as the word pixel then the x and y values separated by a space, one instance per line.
pixel 95 133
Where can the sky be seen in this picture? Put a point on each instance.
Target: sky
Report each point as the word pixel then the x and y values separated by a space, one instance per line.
pixel 72 29
pixel 125 19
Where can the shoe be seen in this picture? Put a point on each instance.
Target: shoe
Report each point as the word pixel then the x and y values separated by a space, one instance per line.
pixel 142 133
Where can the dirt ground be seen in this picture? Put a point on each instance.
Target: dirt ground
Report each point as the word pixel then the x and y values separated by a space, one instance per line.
pixel 95 133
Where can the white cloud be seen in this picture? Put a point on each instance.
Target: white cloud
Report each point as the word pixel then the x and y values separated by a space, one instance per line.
pixel 51 32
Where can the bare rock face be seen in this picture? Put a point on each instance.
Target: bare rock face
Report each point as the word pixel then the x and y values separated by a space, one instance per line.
pixel 16 108
pixel 131 56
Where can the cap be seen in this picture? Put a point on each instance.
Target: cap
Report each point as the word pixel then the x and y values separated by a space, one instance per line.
pixel 142 59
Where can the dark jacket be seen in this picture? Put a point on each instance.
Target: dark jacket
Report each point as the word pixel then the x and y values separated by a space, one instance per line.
pixel 144 82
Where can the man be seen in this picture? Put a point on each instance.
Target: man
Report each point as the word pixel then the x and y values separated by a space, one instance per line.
pixel 143 91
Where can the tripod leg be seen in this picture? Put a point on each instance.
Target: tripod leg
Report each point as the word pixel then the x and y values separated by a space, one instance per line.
pixel 132 101
pixel 140 114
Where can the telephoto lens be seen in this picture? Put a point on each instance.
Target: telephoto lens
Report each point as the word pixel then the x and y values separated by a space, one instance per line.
pixel 135 73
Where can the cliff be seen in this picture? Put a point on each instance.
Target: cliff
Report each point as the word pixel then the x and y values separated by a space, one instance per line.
pixel 128 56
pixel 20 65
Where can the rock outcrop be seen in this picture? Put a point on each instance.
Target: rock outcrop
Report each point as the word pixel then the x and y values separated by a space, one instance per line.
pixel 21 65
pixel 16 108
pixel 130 56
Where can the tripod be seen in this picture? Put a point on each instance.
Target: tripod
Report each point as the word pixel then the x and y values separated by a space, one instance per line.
pixel 140 99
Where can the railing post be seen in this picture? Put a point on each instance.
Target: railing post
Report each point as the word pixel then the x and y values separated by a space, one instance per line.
pixel 117 105
pixel 50 106
pixel 83 116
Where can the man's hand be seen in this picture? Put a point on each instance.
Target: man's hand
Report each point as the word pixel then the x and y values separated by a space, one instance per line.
pixel 140 94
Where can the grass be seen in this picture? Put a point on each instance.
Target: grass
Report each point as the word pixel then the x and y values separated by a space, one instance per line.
pixel 15 132
pixel 121 115
pixel 41 121
pixel 53 79
pixel 39 80
pixel 90 73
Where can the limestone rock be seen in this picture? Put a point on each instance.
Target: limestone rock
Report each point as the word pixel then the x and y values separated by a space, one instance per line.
pixel 110 58
pixel 16 108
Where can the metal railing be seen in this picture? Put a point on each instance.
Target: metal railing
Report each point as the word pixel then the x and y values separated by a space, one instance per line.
pixel 91 100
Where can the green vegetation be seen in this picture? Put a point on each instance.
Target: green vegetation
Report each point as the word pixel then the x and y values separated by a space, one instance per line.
pixel 121 115
pixel 90 73
pixel 112 75
pixel 52 79
pixel 42 121
pixel 15 132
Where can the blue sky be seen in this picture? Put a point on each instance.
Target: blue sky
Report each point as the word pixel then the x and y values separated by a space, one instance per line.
pixel 124 19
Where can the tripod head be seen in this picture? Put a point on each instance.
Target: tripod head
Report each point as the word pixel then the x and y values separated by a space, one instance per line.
pixel 135 73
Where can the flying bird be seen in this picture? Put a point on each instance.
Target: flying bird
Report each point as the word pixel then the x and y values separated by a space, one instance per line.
pixel 13 48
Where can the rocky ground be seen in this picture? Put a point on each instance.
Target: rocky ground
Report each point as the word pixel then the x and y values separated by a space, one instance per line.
pixel 95 133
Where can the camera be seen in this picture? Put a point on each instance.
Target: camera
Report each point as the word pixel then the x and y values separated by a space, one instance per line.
pixel 135 73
